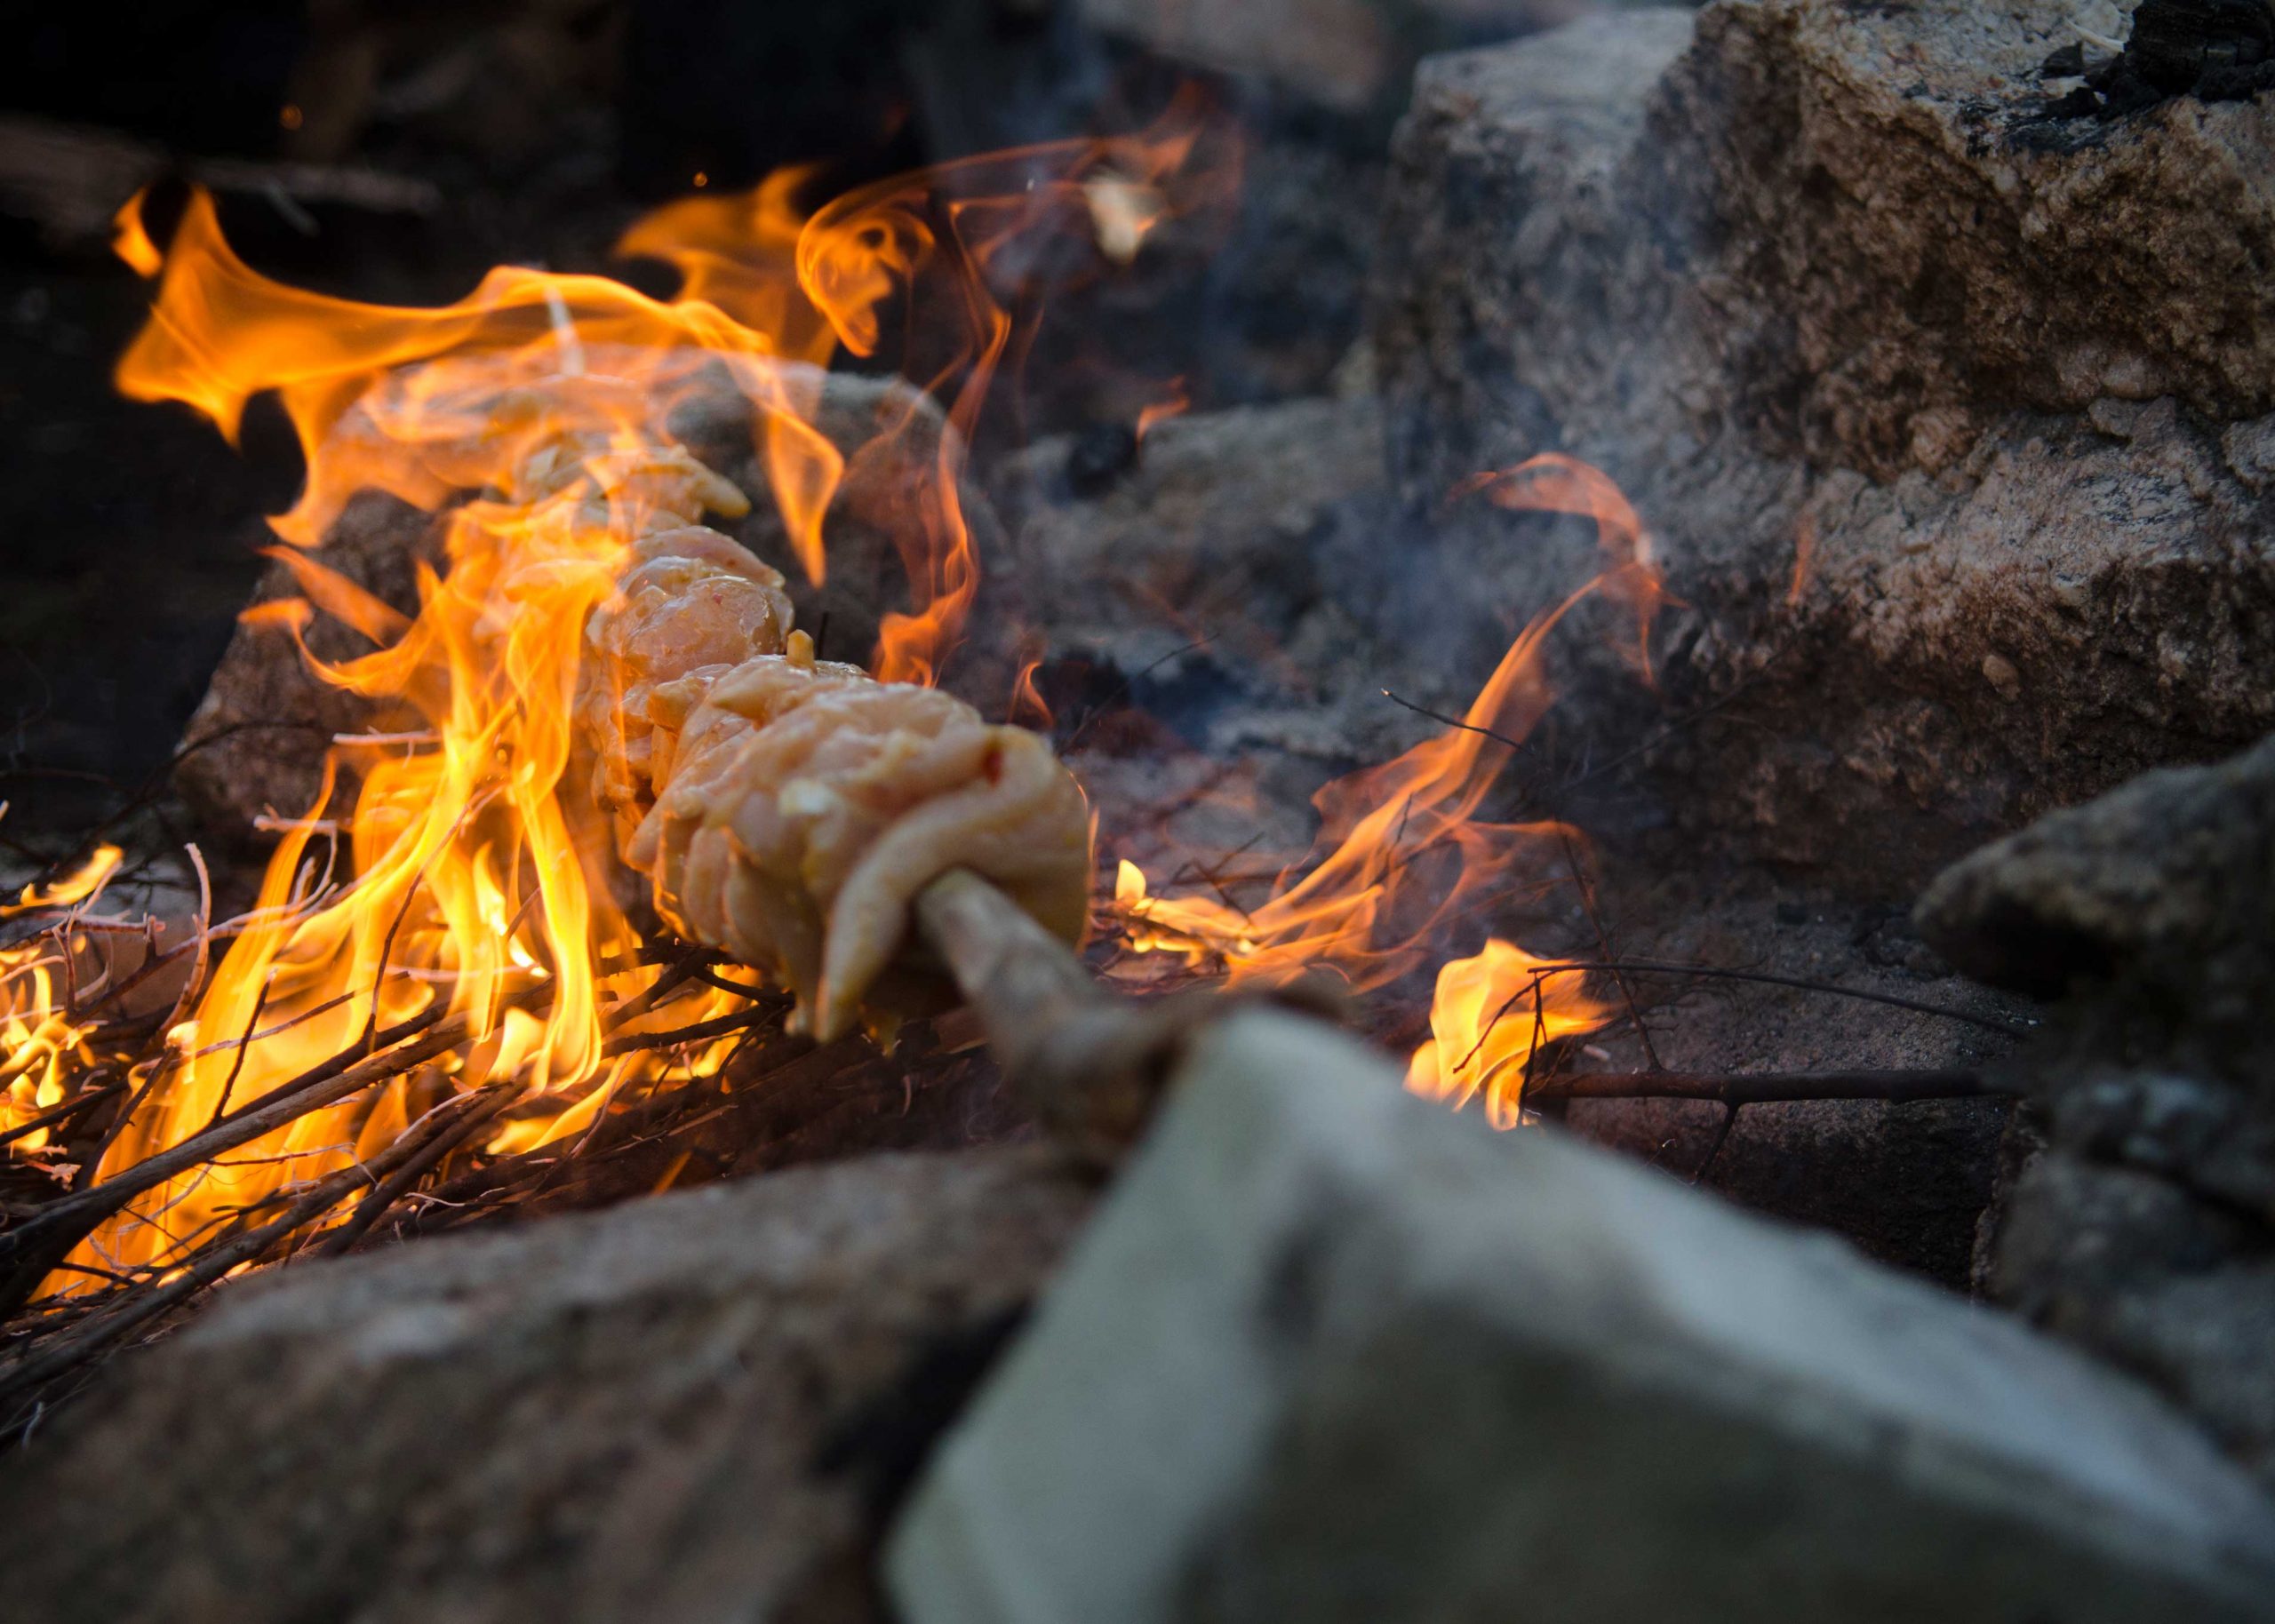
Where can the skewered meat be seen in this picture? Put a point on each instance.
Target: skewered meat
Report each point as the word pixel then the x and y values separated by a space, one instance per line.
pixel 785 809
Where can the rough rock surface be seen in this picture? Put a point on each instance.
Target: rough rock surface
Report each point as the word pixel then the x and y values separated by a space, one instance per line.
pixel 2171 878
pixel 1327 1353
pixel 256 742
pixel 273 718
pixel 2147 1228
pixel 695 1408
pixel 1908 1185
pixel 1950 417
pixel 1352 55
pixel 1224 576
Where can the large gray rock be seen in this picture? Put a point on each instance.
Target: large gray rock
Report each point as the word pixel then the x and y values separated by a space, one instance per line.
pixel 695 1408
pixel 1950 418
pixel 1327 1353
pixel 1906 1183
pixel 2169 880
pixel 2136 1264
pixel 2145 1229
pixel 1206 616
pixel 1224 575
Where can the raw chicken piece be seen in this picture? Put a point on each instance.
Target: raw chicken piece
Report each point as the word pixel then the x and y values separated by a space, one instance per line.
pixel 786 810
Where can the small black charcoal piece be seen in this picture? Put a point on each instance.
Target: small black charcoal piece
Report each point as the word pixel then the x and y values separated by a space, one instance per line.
pixel 1101 454
pixel 2067 63
pixel 2175 43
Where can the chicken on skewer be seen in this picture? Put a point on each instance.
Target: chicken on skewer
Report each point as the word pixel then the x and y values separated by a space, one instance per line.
pixel 785 809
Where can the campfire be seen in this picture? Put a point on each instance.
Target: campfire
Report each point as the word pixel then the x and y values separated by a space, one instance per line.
pixel 614 821
pixel 724 714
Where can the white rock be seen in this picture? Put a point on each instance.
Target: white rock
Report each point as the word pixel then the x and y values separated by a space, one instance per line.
pixel 1330 1353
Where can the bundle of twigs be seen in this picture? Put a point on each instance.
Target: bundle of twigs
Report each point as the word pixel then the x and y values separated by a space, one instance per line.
pixel 1088 1063
pixel 128 1059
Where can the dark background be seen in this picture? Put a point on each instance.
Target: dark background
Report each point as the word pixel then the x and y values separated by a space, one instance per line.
pixel 544 126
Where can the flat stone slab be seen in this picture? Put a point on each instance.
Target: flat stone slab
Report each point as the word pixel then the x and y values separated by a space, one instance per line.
pixel 1329 1353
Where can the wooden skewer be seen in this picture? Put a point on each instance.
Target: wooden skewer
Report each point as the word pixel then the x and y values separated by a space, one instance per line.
pixel 1091 1063
pixel 1088 1063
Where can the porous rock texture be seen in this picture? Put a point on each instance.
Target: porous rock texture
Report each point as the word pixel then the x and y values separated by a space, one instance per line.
pixel 1328 1352
pixel 695 1407
pixel 2146 1227
pixel 271 719
pixel 1950 417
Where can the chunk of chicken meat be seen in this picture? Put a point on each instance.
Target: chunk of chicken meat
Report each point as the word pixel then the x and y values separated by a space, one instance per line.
pixel 787 811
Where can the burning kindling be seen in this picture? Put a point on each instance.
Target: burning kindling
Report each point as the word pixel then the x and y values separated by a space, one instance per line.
pixel 601 757
pixel 593 687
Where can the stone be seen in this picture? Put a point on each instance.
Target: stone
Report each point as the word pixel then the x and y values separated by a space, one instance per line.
pixel 270 719
pixel 696 1406
pixel 1947 413
pixel 1906 1183
pixel 2146 1273
pixel 1328 1352
pixel 254 746
pixel 1238 531
pixel 2169 880
pixel 2144 1229
pixel 1350 55
pixel 1215 595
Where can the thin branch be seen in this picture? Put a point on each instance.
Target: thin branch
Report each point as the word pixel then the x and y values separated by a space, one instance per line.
pixel 70 1108
pixel 136 1306
pixel 1603 943
pixel 741 1020
pixel 1772 1088
pixel 421 1159
pixel 1443 720
pixel 1721 1137
pixel 204 943
pixel 430 1034
pixel 245 1039
pixel 1653 967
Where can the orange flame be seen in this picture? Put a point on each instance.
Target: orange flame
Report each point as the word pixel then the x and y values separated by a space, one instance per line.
pixel 1366 901
pixel 1175 403
pixel 40 1037
pixel 78 886
pixel 1029 707
pixel 1804 559
pixel 1490 1015
pixel 471 882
